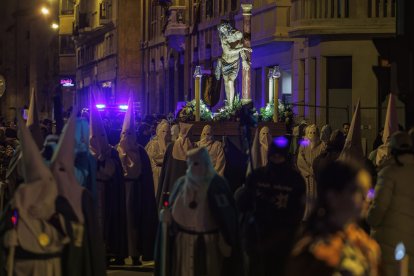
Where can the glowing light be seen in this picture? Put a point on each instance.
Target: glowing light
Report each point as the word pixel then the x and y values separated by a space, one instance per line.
pixel 54 26
pixel 14 217
pixel 67 82
pixel 166 204
pixel 305 143
pixel 371 193
pixel 100 106
pixel 123 107
pixel 399 251
pixel 281 141
pixel 45 11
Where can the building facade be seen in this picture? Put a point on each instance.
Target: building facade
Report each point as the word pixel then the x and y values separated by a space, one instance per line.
pixel 108 57
pixel 28 56
pixel 325 49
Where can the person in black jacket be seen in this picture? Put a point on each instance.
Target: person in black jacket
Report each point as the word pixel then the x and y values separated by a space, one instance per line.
pixel 272 204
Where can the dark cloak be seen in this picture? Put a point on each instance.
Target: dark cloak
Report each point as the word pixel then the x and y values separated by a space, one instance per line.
pixel 171 171
pixel 114 225
pixel 143 208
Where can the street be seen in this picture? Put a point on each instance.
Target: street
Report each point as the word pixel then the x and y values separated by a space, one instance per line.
pixel 128 273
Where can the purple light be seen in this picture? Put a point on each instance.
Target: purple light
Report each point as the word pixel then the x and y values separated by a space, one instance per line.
pixel 281 141
pixel 305 143
pixel 371 193
pixel 123 107
pixel 100 106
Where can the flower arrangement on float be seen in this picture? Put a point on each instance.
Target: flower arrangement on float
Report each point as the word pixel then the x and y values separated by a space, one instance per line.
pixel 285 112
pixel 187 114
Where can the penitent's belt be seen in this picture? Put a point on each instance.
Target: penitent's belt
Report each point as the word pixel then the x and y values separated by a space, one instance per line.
pixel 22 254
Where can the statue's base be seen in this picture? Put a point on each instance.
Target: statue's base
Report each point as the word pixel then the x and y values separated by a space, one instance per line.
pixel 232 128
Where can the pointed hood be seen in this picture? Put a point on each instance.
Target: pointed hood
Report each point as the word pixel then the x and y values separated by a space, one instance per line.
pixel 260 147
pixel 163 134
pixel 391 120
pixel 36 197
pixel 33 120
pixel 183 143
pixel 353 143
pixel 128 134
pixel 206 137
pixel 63 168
pixel 99 145
pixel 128 148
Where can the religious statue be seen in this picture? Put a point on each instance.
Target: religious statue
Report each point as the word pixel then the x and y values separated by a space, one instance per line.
pixel 228 65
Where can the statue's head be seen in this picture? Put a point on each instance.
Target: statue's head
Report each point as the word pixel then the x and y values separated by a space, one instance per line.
pixel 224 27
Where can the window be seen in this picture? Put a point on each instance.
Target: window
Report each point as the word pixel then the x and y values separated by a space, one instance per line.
pixel 105 9
pixel 67 7
pixel 66 45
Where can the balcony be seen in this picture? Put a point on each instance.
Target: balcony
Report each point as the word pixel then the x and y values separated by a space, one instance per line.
pixel 334 17
pixel 176 28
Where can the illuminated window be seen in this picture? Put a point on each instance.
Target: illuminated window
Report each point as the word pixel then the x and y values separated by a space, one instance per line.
pixel 67 7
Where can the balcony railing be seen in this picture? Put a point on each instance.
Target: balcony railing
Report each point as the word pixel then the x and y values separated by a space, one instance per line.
pixel 349 16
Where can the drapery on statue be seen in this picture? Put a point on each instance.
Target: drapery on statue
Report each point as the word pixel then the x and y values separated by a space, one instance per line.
pixel 228 65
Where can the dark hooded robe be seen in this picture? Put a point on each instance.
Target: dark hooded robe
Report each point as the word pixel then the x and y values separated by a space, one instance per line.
pixel 141 209
pixel 110 188
pixel 174 164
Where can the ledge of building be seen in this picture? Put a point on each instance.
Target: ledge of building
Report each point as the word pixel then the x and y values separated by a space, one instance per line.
pixel 374 26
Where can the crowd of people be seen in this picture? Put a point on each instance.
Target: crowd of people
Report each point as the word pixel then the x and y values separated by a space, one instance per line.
pixel 310 203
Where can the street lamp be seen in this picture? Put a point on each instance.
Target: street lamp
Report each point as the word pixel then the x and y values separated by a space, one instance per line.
pixel 45 11
pixel 54 26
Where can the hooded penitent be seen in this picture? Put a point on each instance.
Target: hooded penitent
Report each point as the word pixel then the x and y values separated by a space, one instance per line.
pixel 205 221
pixel 31 209
pixel 13 175
pixel 311 147
pixel 110 186
pixel 353 144
pixel 63 170
pixel 260 147
pixel 326 132
pixel 183 143
pixel 174 165
pixel 140 206
pixel 156 150
pixel 128 147
pixel 191 211
pixel 98 140
pixel 84 162
pixel 214 148
pixel 76 205
pixel 33 122
pixel 390 127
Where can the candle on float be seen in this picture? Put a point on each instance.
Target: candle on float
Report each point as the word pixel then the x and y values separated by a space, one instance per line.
pixel 402 258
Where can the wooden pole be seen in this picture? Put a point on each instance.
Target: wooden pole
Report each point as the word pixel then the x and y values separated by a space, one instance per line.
pixel 246 77
pixel 197 76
